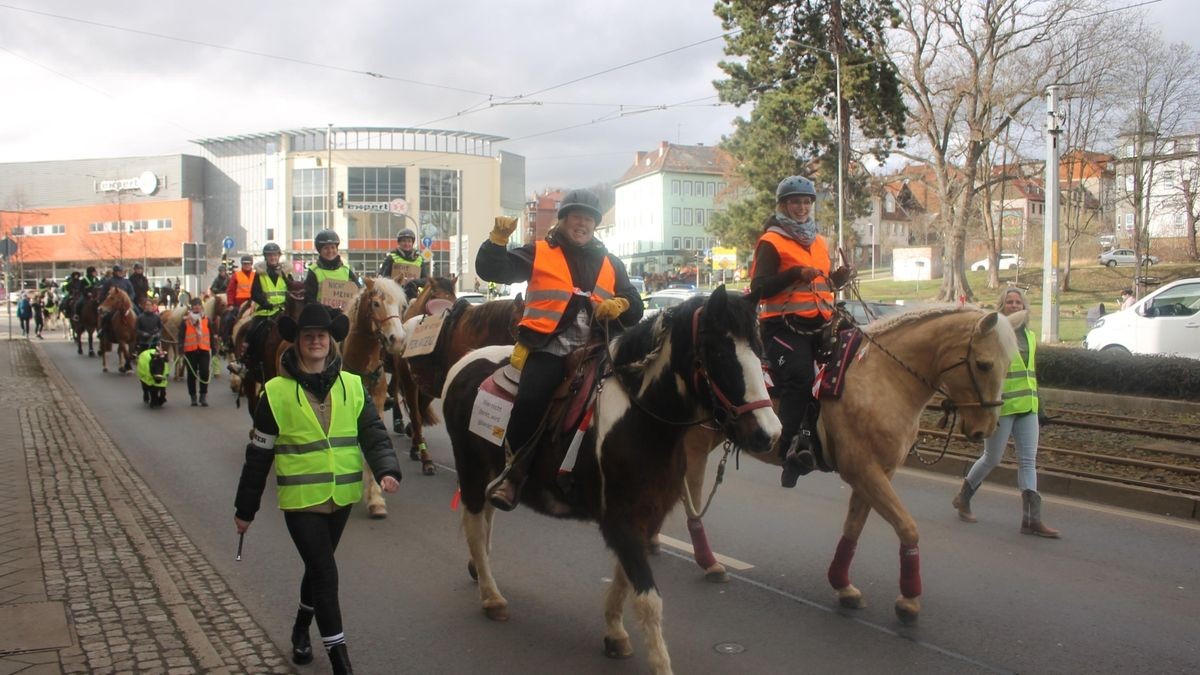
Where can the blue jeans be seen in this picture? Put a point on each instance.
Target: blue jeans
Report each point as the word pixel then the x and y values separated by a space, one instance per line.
pixel 1024 430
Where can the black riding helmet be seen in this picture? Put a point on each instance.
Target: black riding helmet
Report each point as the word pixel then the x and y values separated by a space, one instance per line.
pixel 118 268
pixel 406 234
pixel 247 260
pixel 272 248
pixel 326 237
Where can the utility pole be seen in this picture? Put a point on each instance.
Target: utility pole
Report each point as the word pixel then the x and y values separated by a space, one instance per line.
pixel 329 177
pixel 1050 247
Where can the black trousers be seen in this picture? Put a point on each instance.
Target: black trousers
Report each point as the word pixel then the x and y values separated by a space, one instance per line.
pixel 790 358
pixel 541 375
pixel 198 361
pixel 316 537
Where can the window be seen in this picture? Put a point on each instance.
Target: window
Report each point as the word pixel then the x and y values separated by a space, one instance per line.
pixel 674 245
pixel 687 188
pixel 308 203
pixel 1179 301
pixel 1179 218
pixel 889 203
pixel 440 216
pixel 373 186
pixel 687 216
pixel 687 243
pixel 700 217
pixel 39 230
pixel 675 187
pixel 708 216
pixel 711 188
pixel 675 216
pixel 270 234
pixel 1129 220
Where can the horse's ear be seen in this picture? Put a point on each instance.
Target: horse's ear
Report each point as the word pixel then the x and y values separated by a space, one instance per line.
pixel 716 303
pixel 519 302
pixel 370 283
pixel 987 323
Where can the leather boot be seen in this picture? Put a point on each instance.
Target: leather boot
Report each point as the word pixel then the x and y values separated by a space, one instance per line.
pixel 340 659
pixel 504 492
pixel 799 459
pixel 204 400
pixel 962 502
pixel 194 402
pixel 1031 521
pixel 301 647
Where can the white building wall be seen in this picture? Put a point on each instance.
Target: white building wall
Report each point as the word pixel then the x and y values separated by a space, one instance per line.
pixel 639 217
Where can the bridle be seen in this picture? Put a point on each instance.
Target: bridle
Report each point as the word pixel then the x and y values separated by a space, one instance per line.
pixel 700 375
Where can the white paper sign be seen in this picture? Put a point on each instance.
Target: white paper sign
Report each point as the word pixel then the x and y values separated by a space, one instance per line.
pixel 489 417
pixel 424 337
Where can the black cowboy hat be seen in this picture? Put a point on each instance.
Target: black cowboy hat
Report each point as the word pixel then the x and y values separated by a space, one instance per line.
pixel 315 316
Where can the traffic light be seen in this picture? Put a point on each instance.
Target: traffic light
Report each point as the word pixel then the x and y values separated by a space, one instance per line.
pixel 341 199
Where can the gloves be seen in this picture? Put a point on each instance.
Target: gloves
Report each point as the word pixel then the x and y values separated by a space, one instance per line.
pixel 803 274
pixel 842 276
pixel 502 230
pixel 611 309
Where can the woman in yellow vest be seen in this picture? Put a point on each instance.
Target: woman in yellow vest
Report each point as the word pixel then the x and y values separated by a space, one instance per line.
pixel 575 284
pixel 315 422
pixel 791 278
pixel 1018 418
pixel 405 265
pixel 197 348
pixel 329 266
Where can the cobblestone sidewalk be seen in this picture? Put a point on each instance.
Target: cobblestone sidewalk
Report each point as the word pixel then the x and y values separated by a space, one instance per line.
pixel 95 575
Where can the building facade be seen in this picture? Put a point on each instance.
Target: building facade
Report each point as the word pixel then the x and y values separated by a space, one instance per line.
pixel 541 213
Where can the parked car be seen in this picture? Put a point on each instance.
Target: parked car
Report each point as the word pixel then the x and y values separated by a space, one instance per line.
pixel 878 310
pixel 657 302
pixel 472 297
pixel 1166 321
pixel 1007 262
pixel 638 283
pixel 1124 256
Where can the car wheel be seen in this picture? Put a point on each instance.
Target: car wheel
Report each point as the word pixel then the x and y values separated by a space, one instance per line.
pixel 1111 263
pixel 1116 349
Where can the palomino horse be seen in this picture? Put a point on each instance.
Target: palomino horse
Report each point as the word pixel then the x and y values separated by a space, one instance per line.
pixel 376 333
pixel 122 329
pixel 699 359
pixel 270 347
pixel 961 353
pixel 215 307
pixel 404 385
pixel 172 338
pixel 88 322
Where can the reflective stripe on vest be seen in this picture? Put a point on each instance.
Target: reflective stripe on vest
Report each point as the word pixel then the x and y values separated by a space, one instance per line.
pixel 550 288
pixel 798 299
pixel 403 268
pixel 143 370
pixel 243 284
pixel 196 337
pixel 276 292
pixel 1020 385
pixel 312 467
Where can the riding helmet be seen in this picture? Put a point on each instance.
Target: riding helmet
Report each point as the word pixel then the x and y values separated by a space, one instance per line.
pixel 583 200
pixel 118 268
pixel 272 248
pixel 795 185
pixel 326 237
pixel 247 259
pixel 406 233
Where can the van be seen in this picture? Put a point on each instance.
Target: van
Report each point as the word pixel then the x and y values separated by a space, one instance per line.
pixel 1166 321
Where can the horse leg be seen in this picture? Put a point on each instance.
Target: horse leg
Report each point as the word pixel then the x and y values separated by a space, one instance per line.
pixel 697 463
pixel 478 528
pixel 91 345
pixel 616 640
pixel 647 603
pixel 876 488
pixel 373 496
pixel 839 569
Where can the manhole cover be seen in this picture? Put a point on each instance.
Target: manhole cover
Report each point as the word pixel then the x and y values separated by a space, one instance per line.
pixel 728 648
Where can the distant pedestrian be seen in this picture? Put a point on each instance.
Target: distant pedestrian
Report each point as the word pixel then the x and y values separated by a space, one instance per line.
pixel 316 422
pixel 38 306
pixel 24 313
pixel 197 351
pixel 1127 298
pixel 1019 419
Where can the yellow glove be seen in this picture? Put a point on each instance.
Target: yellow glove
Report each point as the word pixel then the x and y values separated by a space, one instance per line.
pixel 520 353
pixel 611 309
pixel 502 230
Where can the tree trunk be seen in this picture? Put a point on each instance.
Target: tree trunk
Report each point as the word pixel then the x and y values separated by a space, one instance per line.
pixel 954 279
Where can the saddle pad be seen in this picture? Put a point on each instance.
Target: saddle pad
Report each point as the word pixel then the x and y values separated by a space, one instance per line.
pixel 832 378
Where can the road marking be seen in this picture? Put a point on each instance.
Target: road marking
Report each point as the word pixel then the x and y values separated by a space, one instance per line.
pixel 687 548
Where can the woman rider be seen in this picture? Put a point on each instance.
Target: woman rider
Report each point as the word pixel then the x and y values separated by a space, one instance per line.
pixel 329 267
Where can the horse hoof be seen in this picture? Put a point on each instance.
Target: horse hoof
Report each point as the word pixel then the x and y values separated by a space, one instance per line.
pixel 496 612
pixel 105 370
pixel 716 575
pixel 907 610
pixel 91 354
pixel 414 455
pixel 377 512
pixel 852 602
pixel 427 468
pixel 619 648
pixel 472 571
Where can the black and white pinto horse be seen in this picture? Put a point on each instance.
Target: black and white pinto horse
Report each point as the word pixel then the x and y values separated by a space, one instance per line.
pixel 698 362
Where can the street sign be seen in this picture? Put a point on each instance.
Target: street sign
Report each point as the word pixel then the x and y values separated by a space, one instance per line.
pixel 227 243
pixel 398 206
pixel 427 255
pixel 195 256
pixel 426 242
pixel 8 247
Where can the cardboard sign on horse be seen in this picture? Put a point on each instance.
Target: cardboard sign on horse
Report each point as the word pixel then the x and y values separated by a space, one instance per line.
pixel 121 330
pixel 698 361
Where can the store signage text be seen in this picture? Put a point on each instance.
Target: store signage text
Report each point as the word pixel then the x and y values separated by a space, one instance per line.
pixel 371 207
pixel 146 183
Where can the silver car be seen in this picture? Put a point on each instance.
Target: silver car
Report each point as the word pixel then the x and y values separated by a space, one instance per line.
pixel 1124 256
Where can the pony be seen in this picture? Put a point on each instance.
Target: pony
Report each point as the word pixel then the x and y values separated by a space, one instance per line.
pixel 122 329
pixel 376 335
pixel 698 361
pixel 272 345
pixel 962 353
pixel 87 322
pixel 404 385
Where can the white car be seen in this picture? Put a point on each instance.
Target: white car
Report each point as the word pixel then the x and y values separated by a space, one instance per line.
pixel 472 297
pixel 1007 262
pixel 657 302
pixel 1123 256
pixel 1165 322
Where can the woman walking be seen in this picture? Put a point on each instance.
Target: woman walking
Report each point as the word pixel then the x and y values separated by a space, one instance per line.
pixel 197 348
pixel 1019 419
pixel 311 419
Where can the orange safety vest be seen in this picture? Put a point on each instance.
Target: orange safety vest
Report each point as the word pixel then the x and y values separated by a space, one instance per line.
pixel 550 288
pixel 196 337
pixel 242 283
pixel 798 299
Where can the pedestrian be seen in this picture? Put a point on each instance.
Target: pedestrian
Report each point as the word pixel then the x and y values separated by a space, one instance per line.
pixel 316 422
pixel 577 292
pixel 38 305
pixel 197 351
pixel 24 313
pixel 791 278
pixel 141 286
pixel 1019 418
pixel 1127 298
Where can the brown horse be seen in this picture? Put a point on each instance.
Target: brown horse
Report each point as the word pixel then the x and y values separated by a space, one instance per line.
pixel 962 353
pixel 88 321
pixel 404 386
pixel 271 347
pixel 122 329
pixel 697 360
pixel 376 333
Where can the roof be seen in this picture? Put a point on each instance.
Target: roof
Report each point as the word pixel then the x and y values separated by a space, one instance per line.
pixel 679 158
pixel 311 130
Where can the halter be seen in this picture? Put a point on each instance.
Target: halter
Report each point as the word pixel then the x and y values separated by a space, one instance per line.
pixel 700 374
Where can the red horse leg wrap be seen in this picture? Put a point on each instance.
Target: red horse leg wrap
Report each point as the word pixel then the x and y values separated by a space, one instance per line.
pixel 910 571
pixel 700 548
pixel 839 569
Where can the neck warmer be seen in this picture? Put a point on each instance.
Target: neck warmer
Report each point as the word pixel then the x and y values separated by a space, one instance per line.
pixel 804 232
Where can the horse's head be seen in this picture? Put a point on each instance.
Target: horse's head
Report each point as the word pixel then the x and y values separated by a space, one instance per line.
pixel 973 372
pixel 384 301
pixel 436 288
pixel 116 301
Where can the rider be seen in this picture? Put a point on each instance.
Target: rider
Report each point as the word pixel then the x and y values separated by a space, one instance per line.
pixel 221 283
pixel 269 294
pixel 87 282
pixel 791 278
pixel 237 292
pixel 574 285
pixel 149 326
pixel 328 266
pixel 141 286
pixel 404 264
pixel 117 280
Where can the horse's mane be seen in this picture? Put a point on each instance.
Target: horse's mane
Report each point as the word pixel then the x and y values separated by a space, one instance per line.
pixel 113 299
pixel 488 316
pixel 387 287
pixel 1007 338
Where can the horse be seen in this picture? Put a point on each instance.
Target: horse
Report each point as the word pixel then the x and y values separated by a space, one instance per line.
pixel 215 307
pixel 272 346
pixel 168 295
pixel 376 333
pixel 403 385
pixel 88 322
pixel 172 338
pixel 122 329
pixel 960 352
pixel 700 359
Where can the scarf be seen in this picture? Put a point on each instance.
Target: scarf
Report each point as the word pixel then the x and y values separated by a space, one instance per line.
pixel 805 232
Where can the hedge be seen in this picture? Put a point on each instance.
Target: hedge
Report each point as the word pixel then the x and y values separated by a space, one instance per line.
pixel 1115 372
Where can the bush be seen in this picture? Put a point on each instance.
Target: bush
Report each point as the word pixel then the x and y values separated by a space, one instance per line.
pixel 1115 372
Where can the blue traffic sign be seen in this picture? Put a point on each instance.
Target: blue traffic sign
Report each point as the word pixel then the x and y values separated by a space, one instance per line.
pixel 227 243
pixel 426 242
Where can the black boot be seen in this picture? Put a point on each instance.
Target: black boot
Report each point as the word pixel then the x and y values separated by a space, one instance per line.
pixel 301 647
pixel 800 459
pixel 397 418
pixel 203 400
pixel 339 658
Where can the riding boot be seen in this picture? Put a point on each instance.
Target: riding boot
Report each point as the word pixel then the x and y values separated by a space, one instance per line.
pixel 301 647
pixel 962 502
pixel 194 402
pixel 339 658
pixel 1031 520
pixel 203 400
pixel 504 492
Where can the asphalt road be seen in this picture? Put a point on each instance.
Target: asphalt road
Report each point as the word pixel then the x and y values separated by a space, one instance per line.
pixel 1119 593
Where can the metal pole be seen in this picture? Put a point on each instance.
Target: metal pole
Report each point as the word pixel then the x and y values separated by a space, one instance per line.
pixel 329 176
pixel 837 69
pixel 1050 252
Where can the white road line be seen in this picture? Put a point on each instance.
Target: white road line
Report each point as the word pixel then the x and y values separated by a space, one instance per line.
pixel 687 548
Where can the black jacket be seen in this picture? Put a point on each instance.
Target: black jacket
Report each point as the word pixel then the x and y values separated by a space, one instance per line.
pixel 503 266
pixel 311 285
pixel 148 324
pixel 141 288
pixel 257 294
pixel 372 434
pixel 115 282
pixel 220 285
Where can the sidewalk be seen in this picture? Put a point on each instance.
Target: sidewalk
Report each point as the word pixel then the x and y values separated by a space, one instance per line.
pixel 95 574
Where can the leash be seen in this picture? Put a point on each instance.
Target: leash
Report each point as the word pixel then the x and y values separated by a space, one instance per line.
pixel 186 362
pixel 689 504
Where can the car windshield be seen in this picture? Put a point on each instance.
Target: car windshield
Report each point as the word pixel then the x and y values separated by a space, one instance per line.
pixel 663 301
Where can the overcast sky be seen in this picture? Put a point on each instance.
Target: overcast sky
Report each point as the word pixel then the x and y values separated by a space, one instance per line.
pixel 73 90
